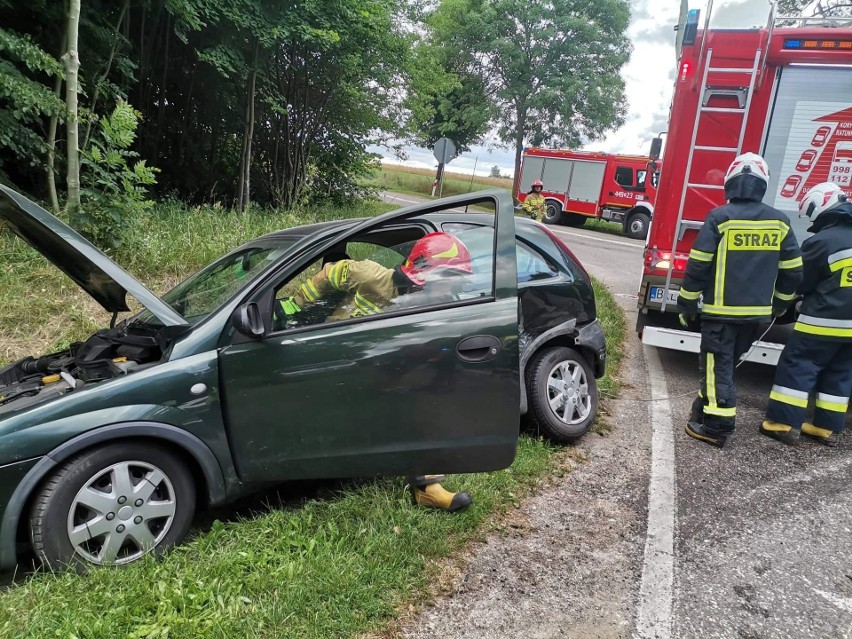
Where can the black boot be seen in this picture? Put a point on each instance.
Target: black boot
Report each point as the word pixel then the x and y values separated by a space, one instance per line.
pixel 699 432
pixel 822 435
pixel 782 432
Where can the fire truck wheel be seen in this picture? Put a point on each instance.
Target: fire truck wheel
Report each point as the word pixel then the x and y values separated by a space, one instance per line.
pixel 553 214
pixel 636 225
pixel 563 394
pixel 572 219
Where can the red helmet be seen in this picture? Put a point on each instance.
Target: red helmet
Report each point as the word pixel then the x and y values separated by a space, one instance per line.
pixel 538 183
pixel 436 251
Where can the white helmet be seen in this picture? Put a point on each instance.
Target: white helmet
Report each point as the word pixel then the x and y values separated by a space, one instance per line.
pixel 820 198
pixel 749 164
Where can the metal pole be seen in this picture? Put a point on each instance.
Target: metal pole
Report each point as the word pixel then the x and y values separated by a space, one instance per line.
pixel 470 186
pixel 441 185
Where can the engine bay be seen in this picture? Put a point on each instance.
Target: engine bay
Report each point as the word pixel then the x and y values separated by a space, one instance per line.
pixel 107 354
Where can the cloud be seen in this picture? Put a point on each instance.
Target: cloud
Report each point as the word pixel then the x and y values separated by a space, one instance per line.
pixel 648 76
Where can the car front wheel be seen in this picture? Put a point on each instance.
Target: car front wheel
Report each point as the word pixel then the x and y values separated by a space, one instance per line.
pixel 563 394
pixel 111 506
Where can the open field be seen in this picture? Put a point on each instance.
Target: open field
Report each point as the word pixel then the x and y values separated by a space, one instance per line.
pixel 404 179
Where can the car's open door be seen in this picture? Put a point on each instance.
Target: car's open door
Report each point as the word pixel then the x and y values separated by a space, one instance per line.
pixel 428 387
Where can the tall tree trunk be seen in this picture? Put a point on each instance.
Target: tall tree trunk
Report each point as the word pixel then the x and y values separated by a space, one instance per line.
pixel 112 53
pixel 51 139
pixel 72 68
pixel 245 166
pixel 519 145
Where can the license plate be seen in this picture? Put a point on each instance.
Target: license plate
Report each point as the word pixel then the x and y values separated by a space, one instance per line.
pixel 657 293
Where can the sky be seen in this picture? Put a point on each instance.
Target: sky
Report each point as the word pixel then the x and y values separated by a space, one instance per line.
pixel 648 78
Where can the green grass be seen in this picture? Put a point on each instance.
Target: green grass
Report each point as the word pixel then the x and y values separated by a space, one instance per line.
pixel 612 319
pixel 419 181
pixel 344 565
pixel 604 226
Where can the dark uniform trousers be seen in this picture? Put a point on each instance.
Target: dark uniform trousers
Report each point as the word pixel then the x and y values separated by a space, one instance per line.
pixel 722 345
pixel 812 365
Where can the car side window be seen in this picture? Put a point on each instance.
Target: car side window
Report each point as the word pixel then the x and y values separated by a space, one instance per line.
pixel 531 265
pixel 371 279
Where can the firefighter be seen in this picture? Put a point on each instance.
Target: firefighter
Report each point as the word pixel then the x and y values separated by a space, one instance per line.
pixel 369 288
pixel 746 264
pixel 534 204
pixel 818 356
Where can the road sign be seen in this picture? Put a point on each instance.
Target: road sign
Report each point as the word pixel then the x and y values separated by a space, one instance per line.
pixel 444 150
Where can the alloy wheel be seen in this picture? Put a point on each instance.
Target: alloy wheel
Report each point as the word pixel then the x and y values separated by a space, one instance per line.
pixel 121 513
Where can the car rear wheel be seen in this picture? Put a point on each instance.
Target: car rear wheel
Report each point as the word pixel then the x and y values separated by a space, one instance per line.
pixel 563 394
pixel 636 226
pixel 111 506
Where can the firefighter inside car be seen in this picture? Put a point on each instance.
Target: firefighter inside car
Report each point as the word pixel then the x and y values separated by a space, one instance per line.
pixel 746 265
pixel 534 204
pixel 818 355
pixel 435 265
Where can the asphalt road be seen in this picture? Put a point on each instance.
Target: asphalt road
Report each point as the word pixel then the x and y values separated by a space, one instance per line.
pixel 752 542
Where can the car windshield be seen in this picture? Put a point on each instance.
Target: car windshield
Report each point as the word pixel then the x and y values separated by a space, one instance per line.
pixel 198 296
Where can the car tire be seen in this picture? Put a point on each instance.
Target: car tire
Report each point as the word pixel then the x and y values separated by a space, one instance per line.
pixel 574 219
pixel 636 226
pixel 547 369
pixel 74 502
pixel 553 213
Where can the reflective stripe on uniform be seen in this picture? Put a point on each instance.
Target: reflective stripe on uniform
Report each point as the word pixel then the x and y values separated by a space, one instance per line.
pixel 832 402
pixel 714 309
pixel 689 295
pixel 796 262
pixel 786 297
pixel 789 396
pixel 754 225
pixel 339 274
pixel 309 291
pixel 839 260
pixel 701 256
pixel 712 407
pixel 365 306
pixel 823 326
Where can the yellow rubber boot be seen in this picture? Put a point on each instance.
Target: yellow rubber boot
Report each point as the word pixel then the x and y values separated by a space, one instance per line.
pixel 782 432
pixel 436 496
pixel 822 435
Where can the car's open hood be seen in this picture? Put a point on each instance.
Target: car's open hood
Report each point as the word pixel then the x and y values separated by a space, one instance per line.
pixel 96 274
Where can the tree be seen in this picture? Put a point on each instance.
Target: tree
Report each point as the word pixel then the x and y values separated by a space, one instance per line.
pixel 24 100
pixel 495 171
pixel 820 8
pixel 550 68
pixel 445 101
pixel 71 58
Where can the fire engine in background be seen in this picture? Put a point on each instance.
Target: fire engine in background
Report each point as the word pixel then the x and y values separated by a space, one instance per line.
pixel 579 185
pixel 781 91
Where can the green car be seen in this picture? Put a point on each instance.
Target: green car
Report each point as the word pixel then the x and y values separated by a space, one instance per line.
pixel 107 449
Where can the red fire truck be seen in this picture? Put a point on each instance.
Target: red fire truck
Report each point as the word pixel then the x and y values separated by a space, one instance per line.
pixel 579 185
pixel 784 92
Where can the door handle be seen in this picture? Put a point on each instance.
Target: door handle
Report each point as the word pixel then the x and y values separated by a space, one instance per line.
pixel 478 348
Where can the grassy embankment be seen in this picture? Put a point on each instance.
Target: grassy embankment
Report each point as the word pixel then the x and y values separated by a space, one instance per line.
pixel 333 565
pixel 403 179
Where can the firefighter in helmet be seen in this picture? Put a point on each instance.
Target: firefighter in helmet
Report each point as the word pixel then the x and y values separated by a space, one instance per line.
pixel 747 265
pixel 368 288
pixel 818 356
pixel 534 204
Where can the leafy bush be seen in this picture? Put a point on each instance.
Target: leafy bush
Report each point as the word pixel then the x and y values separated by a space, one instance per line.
pixel 114 192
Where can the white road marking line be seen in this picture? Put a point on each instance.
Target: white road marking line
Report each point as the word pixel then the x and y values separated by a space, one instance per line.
pixel 656 593
pixel 390 199
pixel 844 603
pixel 595 238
